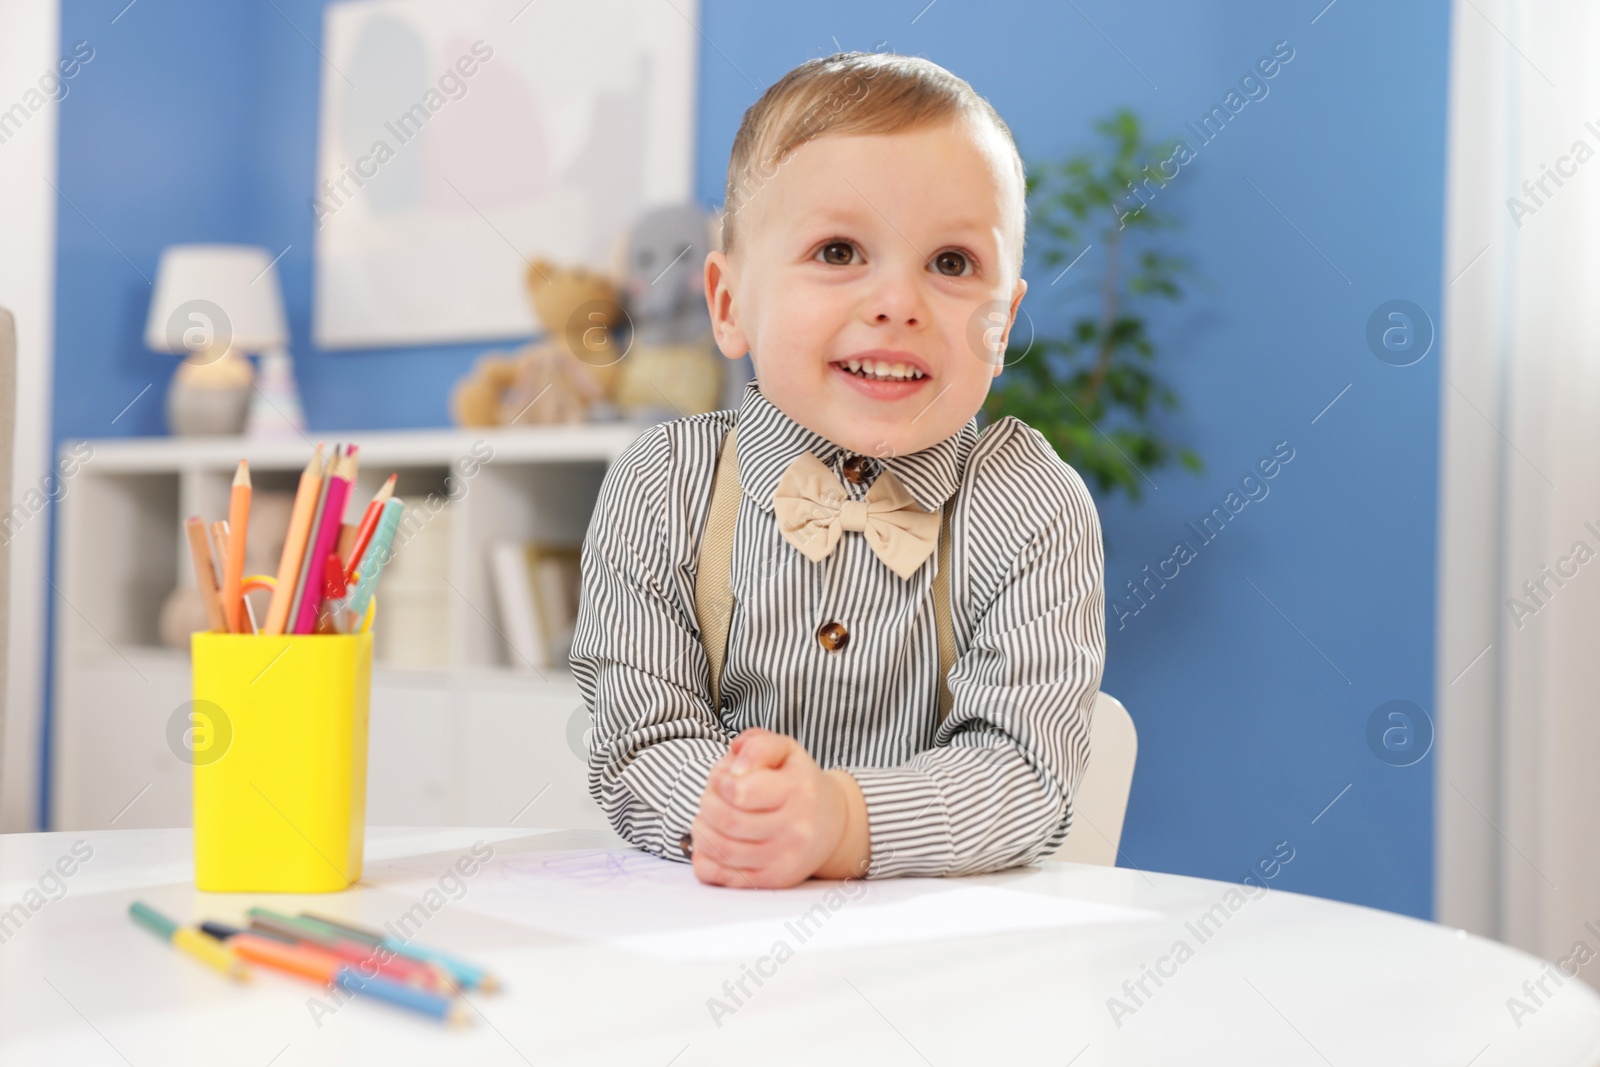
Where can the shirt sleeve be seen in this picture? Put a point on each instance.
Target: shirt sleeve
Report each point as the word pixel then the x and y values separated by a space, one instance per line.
pixel 996 789
pixel 638 661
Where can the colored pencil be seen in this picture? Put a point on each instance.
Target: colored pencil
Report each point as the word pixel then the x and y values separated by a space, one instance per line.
pixel 189 940
pixel 445 1009
pixel 467 975
pixel 219 535
pixel 223 931
pixel 327 534
pixel 205 573
pixel 219 544
pixel 238 532
pixel 347 538
pixel 294 545
pixel 304 573
pixel 369 525
pixel 377 558
pixel 375 958
pixel 307 961
pixel 297 958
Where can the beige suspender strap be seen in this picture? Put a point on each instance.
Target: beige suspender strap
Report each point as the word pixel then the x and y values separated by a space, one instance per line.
pixel 941 614
pixel 714 593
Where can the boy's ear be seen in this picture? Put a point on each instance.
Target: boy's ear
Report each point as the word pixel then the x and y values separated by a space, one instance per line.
pixel 1005 341
pixel 719 301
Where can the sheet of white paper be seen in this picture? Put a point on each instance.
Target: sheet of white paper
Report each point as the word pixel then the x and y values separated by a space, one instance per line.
pixel 637 902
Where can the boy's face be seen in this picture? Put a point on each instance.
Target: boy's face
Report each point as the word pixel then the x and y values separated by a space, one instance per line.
pixel 901 247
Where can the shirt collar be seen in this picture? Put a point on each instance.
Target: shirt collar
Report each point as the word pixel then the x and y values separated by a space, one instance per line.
pixel 769 440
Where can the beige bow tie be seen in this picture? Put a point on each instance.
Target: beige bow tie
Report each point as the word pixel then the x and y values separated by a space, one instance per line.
pixel 814 509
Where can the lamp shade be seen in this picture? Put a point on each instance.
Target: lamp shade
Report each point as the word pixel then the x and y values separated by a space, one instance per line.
pixel 213 296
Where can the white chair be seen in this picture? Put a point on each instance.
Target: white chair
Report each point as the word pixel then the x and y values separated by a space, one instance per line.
pixel 1102 800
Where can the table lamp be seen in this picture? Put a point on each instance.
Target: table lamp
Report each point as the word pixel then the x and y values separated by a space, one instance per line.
pixel 212 304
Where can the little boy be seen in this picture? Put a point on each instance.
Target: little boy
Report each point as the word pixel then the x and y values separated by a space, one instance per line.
pixel 871 267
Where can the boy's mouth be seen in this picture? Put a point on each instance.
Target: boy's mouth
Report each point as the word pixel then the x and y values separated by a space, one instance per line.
pixel 883 368
pixel 881 381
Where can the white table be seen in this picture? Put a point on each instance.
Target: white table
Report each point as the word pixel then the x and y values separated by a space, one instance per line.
pixel 1287 980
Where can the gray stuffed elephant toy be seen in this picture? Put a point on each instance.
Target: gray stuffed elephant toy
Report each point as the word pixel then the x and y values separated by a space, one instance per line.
pixel 672 367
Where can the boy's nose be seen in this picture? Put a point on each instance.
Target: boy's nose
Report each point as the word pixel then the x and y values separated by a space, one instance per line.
pixel 899 303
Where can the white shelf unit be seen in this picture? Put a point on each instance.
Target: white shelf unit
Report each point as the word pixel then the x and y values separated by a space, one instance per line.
pixel 471 742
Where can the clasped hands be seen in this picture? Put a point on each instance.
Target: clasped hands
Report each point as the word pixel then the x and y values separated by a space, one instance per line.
pixel 771 818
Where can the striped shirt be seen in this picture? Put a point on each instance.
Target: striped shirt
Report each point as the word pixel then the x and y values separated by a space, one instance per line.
pixel 991 786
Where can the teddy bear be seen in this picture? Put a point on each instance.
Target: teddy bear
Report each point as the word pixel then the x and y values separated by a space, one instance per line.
pixel 644 352
pixel 559 377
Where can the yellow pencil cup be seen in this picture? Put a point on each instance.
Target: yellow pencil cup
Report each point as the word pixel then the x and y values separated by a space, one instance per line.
pixel 280 760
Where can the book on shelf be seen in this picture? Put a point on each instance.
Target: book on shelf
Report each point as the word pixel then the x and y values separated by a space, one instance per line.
pixel 537 586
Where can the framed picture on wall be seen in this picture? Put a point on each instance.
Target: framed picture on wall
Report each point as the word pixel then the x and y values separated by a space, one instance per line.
pixel 459 141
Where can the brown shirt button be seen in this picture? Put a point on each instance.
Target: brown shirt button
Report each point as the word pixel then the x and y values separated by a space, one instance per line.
pixel 833 636
pixel 856 469
pixel 686 846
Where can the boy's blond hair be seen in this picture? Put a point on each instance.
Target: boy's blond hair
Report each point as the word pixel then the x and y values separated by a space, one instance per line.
pixel 850 93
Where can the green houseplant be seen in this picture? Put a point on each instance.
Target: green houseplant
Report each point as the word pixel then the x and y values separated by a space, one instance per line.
pixel 1093 393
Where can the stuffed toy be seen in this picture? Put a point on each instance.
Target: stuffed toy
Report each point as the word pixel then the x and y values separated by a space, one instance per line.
pixel 558 378
pixel 644 353
pixel 672 366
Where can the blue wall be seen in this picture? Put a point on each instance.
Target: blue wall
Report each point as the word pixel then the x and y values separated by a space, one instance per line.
pixel 1253 674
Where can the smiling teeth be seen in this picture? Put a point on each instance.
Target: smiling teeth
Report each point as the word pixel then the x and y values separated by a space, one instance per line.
pixel 880 371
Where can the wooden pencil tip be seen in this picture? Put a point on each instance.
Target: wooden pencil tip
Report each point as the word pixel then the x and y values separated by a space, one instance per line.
pixel 458 1015
pixel 241 476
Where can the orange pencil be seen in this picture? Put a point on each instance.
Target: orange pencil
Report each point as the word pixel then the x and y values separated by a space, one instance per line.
pixel 219 542
pixel 238 531
pixel 369 524
pixel 219 537
pixel 294 545
pixel 205 573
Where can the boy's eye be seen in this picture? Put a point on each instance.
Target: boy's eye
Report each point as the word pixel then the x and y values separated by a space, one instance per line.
pixel 837 253
pixel 951 263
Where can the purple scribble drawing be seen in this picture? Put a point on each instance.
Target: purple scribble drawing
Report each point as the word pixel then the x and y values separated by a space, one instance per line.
pixel 590 866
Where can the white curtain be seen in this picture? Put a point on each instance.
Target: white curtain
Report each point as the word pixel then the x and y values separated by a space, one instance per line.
pixel 1518 654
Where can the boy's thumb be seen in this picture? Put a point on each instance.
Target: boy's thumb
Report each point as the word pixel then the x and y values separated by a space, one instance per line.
pixel 758 748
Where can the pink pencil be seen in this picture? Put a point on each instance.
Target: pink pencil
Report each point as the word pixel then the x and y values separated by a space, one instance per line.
pixel 327 534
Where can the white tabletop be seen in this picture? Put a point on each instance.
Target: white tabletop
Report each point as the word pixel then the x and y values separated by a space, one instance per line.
pixel 1283 979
